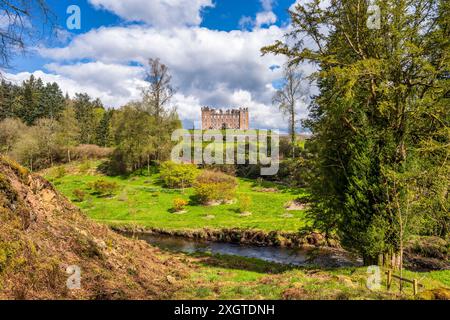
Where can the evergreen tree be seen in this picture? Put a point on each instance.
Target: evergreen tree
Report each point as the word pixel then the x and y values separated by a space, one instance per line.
pixel 380 123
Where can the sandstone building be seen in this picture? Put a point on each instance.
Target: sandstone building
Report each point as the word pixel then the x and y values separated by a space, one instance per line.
pixel 217 119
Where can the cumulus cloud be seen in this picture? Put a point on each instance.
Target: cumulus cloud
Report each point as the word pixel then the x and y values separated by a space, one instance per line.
pixel 266 17
pixel 209 67
pixel 71 86
pixel 157 13
pixel 222 69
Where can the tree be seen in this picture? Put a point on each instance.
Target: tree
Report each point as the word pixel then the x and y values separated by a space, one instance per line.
pixel 16 17
pixel 52 102
pixel 68 131
pixel 287 97
pixel 157 96
pixel 131 129
pixel 103 132
pixel 30 102
pixel 10 132
pixel 156 100
pixel 380 128
pixel 89 114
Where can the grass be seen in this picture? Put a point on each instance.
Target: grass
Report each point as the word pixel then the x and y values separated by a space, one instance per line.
pixel 142 200
pixel 231 277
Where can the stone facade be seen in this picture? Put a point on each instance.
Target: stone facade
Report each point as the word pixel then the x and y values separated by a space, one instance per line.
pixel 217 119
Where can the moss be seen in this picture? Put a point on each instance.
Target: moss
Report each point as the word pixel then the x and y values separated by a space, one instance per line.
pixel 17 168
pixel 8 255
pixel 10 195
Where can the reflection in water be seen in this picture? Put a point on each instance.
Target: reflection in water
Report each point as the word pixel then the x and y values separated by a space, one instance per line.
pixel 297 257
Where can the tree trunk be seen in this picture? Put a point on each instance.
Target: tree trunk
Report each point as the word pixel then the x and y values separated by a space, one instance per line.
pixel 390 260
pixel 293 133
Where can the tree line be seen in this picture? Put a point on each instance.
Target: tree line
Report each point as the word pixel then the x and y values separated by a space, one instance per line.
pixel 40 126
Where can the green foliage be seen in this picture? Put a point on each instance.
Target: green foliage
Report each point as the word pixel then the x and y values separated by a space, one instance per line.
pixel 179 204
pixel 89 114
pixel 31 101
pixel 178 175
pixel 59 172
pixel 244 203
pixel 104 188
pixel 214 186
pixel 380 123
pixel 79 195
pixel 153 201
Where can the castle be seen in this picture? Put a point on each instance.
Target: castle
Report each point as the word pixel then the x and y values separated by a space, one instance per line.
pixel 217 119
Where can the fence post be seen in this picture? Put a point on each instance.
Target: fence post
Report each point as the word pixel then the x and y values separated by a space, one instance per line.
pixel 415 286
pixel 389 279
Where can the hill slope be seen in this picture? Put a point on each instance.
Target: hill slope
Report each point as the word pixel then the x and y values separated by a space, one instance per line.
pixel 41 234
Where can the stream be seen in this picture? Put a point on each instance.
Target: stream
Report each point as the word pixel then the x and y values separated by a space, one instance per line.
pixel 298 257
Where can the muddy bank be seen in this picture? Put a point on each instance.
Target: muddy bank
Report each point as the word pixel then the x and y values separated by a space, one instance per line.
pixel 241 236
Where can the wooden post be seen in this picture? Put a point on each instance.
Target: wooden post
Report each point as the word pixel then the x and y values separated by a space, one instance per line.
pixel 389 279
pixel 415 285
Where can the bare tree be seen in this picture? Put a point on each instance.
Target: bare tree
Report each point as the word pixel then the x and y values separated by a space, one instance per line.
pixel 157 96
pixel 16 25
pixel 156 102
pixel 287 98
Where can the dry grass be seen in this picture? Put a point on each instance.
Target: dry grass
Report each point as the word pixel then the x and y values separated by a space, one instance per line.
pixel 41 234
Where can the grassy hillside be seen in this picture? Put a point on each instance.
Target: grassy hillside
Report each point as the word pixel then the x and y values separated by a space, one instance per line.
pixel 41 233
pixel 142 200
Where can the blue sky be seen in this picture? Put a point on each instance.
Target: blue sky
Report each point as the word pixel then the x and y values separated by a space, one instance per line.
pixel 211 47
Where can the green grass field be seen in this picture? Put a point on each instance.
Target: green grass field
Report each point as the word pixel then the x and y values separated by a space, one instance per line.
pixel 232 277
pixel 142 200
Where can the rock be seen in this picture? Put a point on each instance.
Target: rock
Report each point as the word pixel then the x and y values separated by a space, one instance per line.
pixel 171 279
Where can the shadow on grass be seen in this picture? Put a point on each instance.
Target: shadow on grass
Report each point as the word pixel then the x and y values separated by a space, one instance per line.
pixel 277 187
pixel 241 263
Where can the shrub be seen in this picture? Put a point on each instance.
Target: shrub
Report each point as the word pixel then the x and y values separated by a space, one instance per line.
pixel 179 204
pixel 244 203
pixel 59 172
pixel 214 186
pixel 89 151
pixel 178 175
pixel 79 195
pixel 84 167
pixel 103 187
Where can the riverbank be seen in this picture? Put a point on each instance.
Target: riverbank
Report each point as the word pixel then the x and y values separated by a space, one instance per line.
pixel 237 236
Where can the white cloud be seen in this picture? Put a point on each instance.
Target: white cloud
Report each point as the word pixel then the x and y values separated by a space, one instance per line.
pixel 157 13
pixel 72 86
pixel 266 17
pixel 112 79
pixel 267 4
pixel 206 64
pixel 209 67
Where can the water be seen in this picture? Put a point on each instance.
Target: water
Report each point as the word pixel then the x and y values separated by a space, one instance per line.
pixel 298 257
